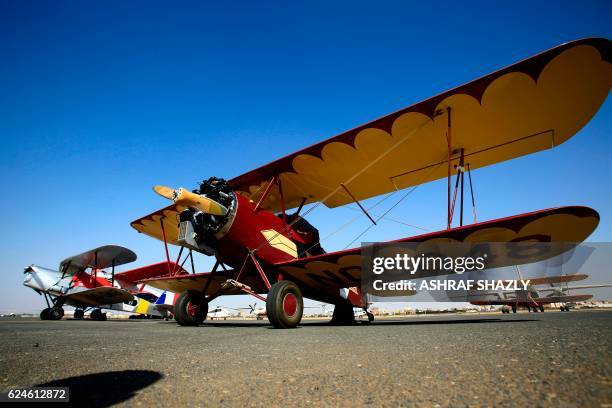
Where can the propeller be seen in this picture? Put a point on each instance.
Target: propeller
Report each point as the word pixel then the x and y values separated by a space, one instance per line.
pixel 189 199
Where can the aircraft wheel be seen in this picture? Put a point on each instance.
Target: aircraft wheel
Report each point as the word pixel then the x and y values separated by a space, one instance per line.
pixel 44 314
pixel 55 313
pixel 79 314
pixel 190 309
pixel 284 305
pixel 542 308
pixel 370 316
pixel 514 309
pixel 97 314
pixel 343 315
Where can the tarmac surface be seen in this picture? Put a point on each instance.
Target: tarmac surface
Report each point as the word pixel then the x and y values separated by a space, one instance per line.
pixel 544 359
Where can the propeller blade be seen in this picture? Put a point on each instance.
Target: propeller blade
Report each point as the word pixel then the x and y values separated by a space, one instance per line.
pixel 189 199
pixel 165 192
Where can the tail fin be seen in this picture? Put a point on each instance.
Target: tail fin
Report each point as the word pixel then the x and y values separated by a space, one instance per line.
pixel 161 299
pixel 157 270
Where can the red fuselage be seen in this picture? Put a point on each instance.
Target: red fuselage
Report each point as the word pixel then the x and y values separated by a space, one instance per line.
pixel 246 233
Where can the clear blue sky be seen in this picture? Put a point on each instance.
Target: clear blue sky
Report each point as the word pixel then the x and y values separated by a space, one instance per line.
pixel 101 100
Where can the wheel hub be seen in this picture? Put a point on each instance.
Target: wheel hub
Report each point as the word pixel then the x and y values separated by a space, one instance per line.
pixel 192 309
pixel 290 304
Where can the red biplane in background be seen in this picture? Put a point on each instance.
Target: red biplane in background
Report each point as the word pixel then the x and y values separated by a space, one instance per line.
pixel 82 282
pixel 260 248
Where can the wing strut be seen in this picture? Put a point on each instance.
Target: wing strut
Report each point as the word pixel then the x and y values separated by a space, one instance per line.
pixel 265 193
pixel 472 191
pixel 113 273
pixel 448 178
pixel 282 199
pixel 358 203
pixel 95 271
pixel 161 223
pixel 192 264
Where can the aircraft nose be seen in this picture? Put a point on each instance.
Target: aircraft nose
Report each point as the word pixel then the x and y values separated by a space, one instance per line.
pixel 29 278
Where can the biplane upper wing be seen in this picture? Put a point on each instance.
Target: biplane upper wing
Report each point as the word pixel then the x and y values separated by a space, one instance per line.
pixel 103 295
pixel 532 105
pixel 326 273
pixel 101 257
pixel 550 280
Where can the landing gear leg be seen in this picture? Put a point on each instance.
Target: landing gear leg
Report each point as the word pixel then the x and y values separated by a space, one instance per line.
pixel 370 316
pixel 343 315
pixel 284 305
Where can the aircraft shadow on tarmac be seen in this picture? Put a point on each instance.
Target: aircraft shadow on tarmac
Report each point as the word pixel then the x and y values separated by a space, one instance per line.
pixel 105 389
pixel 307 325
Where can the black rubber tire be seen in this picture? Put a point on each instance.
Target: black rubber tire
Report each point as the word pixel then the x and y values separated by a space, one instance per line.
pixel 190 309
pixel 343 315
pixel 542 308
pixel 79 314
pixel 514 309
pixel 55 313
pixel 44 314
pixel 97 314
pixel 284 305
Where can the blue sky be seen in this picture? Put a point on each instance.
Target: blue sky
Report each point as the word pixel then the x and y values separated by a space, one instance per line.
pixel 102 100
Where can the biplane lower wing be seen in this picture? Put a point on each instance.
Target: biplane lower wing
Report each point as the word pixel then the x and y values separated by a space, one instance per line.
pixel 150 271
pixel 104 295
pixel 321 277
pixel 329 272
pixel 207 283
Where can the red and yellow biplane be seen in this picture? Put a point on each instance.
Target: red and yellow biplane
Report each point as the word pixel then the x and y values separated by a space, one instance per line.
pixel 261 248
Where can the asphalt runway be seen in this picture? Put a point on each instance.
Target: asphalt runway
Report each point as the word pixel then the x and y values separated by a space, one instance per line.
pixel 544 359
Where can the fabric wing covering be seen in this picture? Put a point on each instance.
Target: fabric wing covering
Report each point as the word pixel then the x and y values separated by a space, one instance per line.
pixel 527 107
